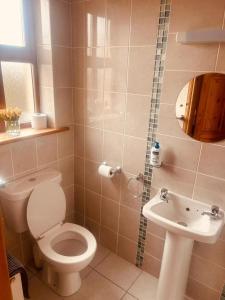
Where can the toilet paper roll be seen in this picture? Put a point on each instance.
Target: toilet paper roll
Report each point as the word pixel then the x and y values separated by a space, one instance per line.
pixel 39 121
pixel 106 171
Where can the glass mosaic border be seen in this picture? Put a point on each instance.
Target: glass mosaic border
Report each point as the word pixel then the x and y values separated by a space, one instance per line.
pixel 160 57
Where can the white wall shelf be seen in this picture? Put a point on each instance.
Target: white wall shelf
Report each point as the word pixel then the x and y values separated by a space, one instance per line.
pixel 205 36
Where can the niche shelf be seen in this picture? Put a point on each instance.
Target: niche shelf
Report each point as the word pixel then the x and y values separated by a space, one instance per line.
pixel 204 36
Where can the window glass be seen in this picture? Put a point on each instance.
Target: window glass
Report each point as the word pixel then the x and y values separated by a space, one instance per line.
pixel 18 87
pixel 11 23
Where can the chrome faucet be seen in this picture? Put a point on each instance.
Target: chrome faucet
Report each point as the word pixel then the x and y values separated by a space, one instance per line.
pixel 214 213
pixel 164 194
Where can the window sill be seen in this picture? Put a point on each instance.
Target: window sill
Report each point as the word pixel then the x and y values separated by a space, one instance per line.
pixel 29 133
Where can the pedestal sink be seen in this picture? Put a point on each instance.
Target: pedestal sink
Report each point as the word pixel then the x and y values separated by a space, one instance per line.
pixel 185 221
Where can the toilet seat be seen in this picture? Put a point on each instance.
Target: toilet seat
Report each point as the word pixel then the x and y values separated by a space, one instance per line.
pixel 46 245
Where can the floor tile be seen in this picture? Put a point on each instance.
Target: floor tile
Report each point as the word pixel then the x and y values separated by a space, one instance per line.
pixel 129 297
pixel 39 291
pixel 85 272
pixel 145 287
pixel 100 254
pixel 119 271
pixel 96 287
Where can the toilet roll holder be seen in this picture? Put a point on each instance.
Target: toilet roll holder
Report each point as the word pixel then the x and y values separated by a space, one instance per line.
pixel 114 171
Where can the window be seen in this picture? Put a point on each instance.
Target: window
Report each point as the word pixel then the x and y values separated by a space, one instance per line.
pixel 18 64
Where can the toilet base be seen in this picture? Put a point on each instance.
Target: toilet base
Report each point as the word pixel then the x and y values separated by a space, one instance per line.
pixel 63 284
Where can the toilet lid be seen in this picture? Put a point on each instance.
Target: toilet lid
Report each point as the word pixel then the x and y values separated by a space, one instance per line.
pixel 46 208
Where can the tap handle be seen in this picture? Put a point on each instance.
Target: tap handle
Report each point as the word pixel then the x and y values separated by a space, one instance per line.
pixel 215 209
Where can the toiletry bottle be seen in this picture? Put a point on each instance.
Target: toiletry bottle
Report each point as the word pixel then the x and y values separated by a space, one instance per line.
pixel 155 155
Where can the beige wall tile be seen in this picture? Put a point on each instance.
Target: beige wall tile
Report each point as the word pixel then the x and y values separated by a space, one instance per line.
pixel 111 187
pixel 194 15
pixel 113 148
pixel 144 22
pixel 140 72
pixel 154 246
pixel 109 214
pixel 93 204
pixel 221 59
pixel 66 143
pixel 116 69
pixel 93 144
pixel 156 230
pixel 63 106
pixel 134 148
pixel 94 108
pixel 79 195
pixel 175 179
pixel 66 167
pixel 151 265
pixel 118 22
pixel 24 156
pixel 79 143
pixel 212 161
pixel 92 178
pixel 79 171
pixel 78 71
pixel 93 227
pixel 79 105
pixel 47 149
pixel 127 249
pixel 70 203
pixel 78 24
pixel 62 71
pixel 190 57
pixel 6 169
pixel 44 58
pixel 137 115
pixel 196 290
pixel 108 239
pixel 129 223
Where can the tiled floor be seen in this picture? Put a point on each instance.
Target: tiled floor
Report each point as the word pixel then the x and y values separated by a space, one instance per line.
pixel 108 277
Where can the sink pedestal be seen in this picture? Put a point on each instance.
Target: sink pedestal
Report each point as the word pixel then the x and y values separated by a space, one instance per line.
pixel 175 267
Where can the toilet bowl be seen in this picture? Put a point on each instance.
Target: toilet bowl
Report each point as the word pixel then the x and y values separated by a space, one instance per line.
pixel 66 248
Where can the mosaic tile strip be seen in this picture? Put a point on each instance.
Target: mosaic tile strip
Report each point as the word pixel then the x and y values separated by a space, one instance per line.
pixel 160 56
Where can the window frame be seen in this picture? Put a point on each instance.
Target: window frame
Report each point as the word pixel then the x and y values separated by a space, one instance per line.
pixel 26 54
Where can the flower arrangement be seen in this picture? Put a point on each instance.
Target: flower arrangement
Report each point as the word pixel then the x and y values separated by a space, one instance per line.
pixel 10 114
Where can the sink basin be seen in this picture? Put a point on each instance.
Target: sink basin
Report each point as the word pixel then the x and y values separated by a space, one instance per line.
pixel 183 216
pixel 184 223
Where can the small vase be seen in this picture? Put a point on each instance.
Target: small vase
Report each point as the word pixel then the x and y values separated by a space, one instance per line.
pixel 12 127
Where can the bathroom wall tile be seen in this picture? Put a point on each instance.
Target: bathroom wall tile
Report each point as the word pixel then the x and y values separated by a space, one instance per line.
pixel 78 70
pixel 175 179
pixel 69 193
pixel 130 189
pixel 129 223
pixel 93 144
pixel 194 15
pixel 93 227
pixel 127 249
pixel 94 68
pixel 212 161
pixel 156 230
pixel 24 156
pixel 180 153
pixel 96 24
pixel 62 58
pixel 79 144
pixel 199 270
pixel 100 255
pixel 92 178
pixel 221 59
pixel 197 57
pixel 61 22
pixel 79 105
pixel 78 24
pixel 111 188
pixel 113 148
pixel 6 169
pixel 94 108
pixel 79 171
pixel 66 167
pixel 63 106
pixel 173 83
pixel 154 246
pixel 151 265
pixel 109 214
pixel 66 143
pixel 144 22
pixel 114 111
pixel 196 290
pixel 44 58
pixel 118 22
pixel 134 148
pixel 46 149
pixel 93 203
pixel 116 69
pixel 47 105
pixel 137 115
pixel 210 190
pixel 108 238
pixel 79 199
pixel 141 73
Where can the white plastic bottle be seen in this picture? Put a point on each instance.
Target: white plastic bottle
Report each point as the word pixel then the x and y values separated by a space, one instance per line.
pixel 155 160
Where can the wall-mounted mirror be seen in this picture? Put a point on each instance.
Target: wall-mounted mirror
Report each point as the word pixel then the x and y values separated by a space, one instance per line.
pixel 200 107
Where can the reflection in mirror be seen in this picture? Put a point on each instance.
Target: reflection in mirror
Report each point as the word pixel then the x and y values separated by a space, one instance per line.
pixel 200 107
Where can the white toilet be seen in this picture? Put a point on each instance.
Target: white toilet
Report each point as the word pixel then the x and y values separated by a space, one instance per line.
pixel 37 202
